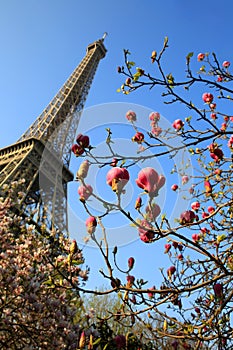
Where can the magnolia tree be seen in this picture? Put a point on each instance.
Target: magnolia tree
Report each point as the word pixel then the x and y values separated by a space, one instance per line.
pixel 192 307
pixel 40 275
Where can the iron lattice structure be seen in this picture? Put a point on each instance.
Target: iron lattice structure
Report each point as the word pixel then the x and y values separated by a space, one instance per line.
pixel 42 154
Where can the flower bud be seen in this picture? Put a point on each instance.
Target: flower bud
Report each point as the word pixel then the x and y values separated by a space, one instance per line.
pixel 91 224
pixel 83 170
pixel 131 262
pixel 82 340
pixel 138 203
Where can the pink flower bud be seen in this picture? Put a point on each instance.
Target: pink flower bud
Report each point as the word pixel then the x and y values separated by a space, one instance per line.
pixel 77 150
pixel 150 294
pixel 82 340
pixel 131 116
pixel 167 248
pixel 210 209
pixel 200 57
pixel 83 140
pixel 195 206
pixel 73 247
pixel 130 280
pixel 154 116
pixel 178 124
pixel 212 106
pixel 218 290
pixel 138 137
pixel 185 179
pixel 223 127
pixel 171 270
pixel 91 224
pixel 85 192
pixel 196 237
pixel 226 64
pixel 138 203
pixel 230 142
pixel 131 263
pixel 207 97
pixel 156 131
pixel 114 162
pixel 174 187
pixel 208 187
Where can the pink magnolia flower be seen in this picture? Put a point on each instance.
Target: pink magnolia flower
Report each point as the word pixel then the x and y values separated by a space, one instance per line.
pixel 131 116
pixel 149 180
pixel 91 224
pixel 178 124
pixel 146 232
pixel 226 64
pixel 154 116
pixel 215 152
pixel 85 192
pixel 195 206
pixel 200 56
pixel 83 140
pixel 207 97
pixel 187 217
pixel 117 178
pixel 212 106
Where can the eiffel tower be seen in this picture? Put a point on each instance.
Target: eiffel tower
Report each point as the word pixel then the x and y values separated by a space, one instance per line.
pixel 42 154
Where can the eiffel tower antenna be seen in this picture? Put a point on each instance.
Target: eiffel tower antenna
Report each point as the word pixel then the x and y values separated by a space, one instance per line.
pixel 42 154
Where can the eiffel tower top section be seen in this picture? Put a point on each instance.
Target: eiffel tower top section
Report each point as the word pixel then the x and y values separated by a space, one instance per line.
pixel 57 124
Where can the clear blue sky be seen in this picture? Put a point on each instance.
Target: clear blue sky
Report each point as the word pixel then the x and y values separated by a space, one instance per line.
pixel 43 41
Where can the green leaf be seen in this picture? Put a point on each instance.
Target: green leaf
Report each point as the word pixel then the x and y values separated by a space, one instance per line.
pixel 189 56
pixel 97 341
